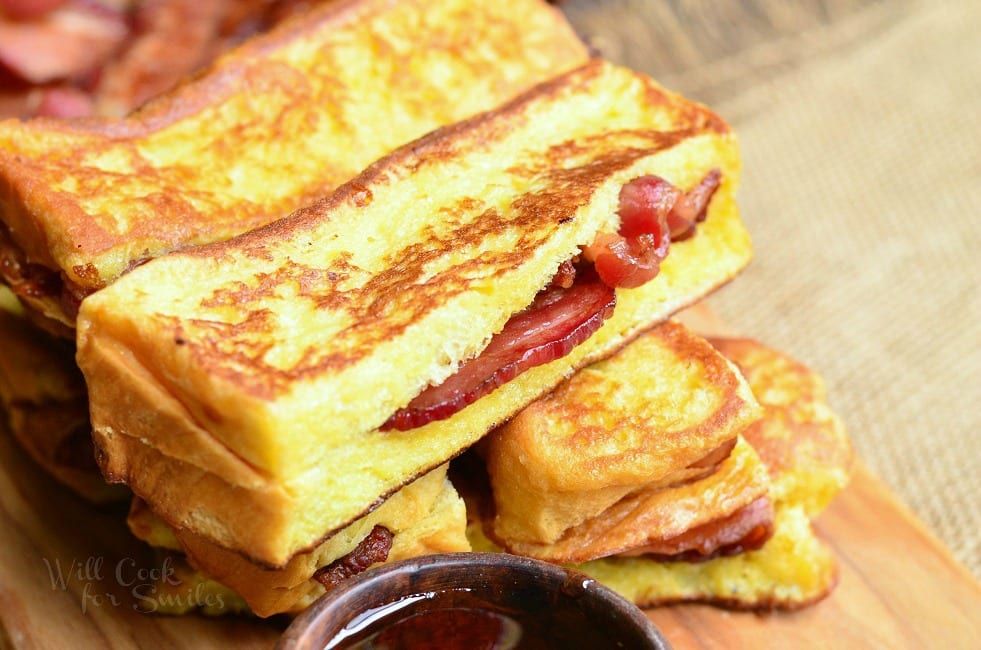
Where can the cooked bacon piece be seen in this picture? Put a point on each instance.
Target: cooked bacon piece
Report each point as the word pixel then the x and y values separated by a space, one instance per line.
pixel 64 102
pixel 629 262
pixel 644 202
pixel 34 281
pixel 653 213
pixel 372 549
pixel 633 256
pixel 558 320
pixel 692 206
pixel 571 308
pixel 746 529
pixel 68 58
pixel 25 279
pixel 66 43
pixel 714 458
pixel 169 41
pixel 565 276
pixel 23 9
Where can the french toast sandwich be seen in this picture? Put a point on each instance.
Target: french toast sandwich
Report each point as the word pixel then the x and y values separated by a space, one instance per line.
pixel 279 121
pixel 639 454
pixel 230 150
pixel 809 459
pixel 265 376
pixel 272 267
pixel 273 125
pixel 800 438
pixel 424 517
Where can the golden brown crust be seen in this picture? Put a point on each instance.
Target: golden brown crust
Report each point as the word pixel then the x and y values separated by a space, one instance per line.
pixel 269 391
pixel 800 438
pixel 793 570
pixel 651 517
pixel 809 459
pixel 621 429
pixel 270 127
pixel 238 351
pixel 426 516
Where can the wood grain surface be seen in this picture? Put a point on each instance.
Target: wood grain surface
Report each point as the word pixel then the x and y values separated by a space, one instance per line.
pixel 898 588
pixel 68 571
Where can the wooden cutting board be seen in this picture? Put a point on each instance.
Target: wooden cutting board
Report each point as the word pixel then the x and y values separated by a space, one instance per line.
pixel 69 577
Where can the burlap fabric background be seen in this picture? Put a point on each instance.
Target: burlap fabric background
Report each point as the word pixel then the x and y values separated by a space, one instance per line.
pixel 860 124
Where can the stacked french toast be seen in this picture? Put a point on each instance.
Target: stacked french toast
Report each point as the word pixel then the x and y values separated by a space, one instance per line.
pixel 399 278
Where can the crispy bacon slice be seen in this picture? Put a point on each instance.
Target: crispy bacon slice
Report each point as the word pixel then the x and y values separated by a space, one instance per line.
pixel 653 213
pixel 372 549
pixel 746 529
pixel 565 276
pixel 550 328
pixel 36 282
pixel 24 9
pixel 692 206
pixel 64 102
pixel 633 256
pixel 629 262
pixel 65 43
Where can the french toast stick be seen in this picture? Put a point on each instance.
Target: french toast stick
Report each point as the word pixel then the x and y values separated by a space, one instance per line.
pixel 268 371
pixel 271 126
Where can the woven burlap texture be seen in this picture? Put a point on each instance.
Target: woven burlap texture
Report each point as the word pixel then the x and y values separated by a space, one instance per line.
pixel 862 187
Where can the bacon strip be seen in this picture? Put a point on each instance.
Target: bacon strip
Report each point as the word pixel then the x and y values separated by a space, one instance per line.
pixel 653 213
pixel 746 529
pixel 556 322
pixel 571 308
pixel 65 43
pixel 371 550
pixel 35 282
pixel 692 206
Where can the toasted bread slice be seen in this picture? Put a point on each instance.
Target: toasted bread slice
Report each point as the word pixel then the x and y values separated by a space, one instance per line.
pixel 278 122
pixel 619 431
pixel 793 569
pixel 269 362
pixel 42 395
pixel 801 439
pixel 426 516
pixel 656 518
pixel 809 458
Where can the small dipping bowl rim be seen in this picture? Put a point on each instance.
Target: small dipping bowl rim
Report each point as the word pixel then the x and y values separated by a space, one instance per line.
pixel 312 628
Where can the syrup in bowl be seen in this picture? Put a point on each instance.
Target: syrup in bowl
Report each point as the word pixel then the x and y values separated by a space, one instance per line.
pixel 471 601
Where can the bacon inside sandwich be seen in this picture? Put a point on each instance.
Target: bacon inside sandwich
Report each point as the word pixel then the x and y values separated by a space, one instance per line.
pixel 426 516
pixel 637 454
pixel 653 213
pixel 809 459
pixel 286 349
